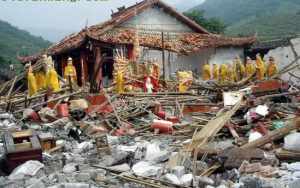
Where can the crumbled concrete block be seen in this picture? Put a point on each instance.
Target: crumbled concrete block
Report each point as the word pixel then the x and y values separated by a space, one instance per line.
pixel 172 178
pixel 146 169
pixel 116 157
pixel 186 180
pixel 122 168
pixel 155 154
pixel 202 181
pixel 251 182
pixel 294 166
pixel 82 147
pixel 29 168
pixel 82 177
pixel 69 168
pixel 178 171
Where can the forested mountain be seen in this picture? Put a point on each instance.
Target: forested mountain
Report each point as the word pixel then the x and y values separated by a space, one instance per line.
pixel 268 18
pixel 14 41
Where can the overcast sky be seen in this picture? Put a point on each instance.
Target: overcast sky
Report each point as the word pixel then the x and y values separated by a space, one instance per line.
pixel 53 20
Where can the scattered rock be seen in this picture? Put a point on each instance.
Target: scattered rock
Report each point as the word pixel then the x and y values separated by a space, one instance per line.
pixel 251 182
pixel 146 169
pixel 172 178
pixel 186 180
pixel 178 171
pixel 29 168
pixel 70 167
pixel 82 177
pixel 202 181
pixel 122 168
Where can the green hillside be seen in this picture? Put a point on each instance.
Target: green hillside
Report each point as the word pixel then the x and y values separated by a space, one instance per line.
pixel 268 18
pixel 14 41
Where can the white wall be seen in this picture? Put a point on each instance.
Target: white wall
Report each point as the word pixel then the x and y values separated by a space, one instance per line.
pixel 156 19
pixel 226 55
pixel 194 61
pixel 284 56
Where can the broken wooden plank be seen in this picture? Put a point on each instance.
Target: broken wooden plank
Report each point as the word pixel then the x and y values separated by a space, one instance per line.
pixel 212 128
pixel 274 135
pixel 286 155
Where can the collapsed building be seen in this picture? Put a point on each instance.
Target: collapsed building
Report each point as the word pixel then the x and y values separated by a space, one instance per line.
pixel 164 34
pixel 237 133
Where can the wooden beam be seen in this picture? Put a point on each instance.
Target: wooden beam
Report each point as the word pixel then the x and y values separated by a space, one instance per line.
pixel 274 135
pixel 163 55
pixel 97 72
pixel 208 132
pixel 82 67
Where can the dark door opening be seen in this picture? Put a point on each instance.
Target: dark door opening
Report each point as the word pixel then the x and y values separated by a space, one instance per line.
pixel 107 66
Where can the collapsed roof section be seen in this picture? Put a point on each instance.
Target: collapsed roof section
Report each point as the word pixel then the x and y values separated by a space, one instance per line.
pixel 183 43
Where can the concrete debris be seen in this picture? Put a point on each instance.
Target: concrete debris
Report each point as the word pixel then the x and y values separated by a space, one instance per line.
pixel 145 169
pixel 172 178
pixel 177 133
pixel 202 181
pixel 155 154
pixel 254 135
pixel 30 168
pixel 121 168
pixel 70 167
pixel 186 180
pixel 291 142
pixel 179 171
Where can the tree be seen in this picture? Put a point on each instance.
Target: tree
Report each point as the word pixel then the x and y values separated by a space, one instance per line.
pixel 213 25
pixel 2 61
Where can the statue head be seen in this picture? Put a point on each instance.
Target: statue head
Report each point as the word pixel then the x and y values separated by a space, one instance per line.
pixel 70 61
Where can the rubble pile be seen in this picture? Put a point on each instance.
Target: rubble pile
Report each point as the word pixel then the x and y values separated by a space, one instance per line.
pixel 241 135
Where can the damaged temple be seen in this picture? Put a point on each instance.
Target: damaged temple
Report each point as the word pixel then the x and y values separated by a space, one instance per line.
pixel 150 98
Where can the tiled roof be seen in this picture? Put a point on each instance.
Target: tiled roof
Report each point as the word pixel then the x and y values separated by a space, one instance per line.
pixel 183 43
pixel 101 32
